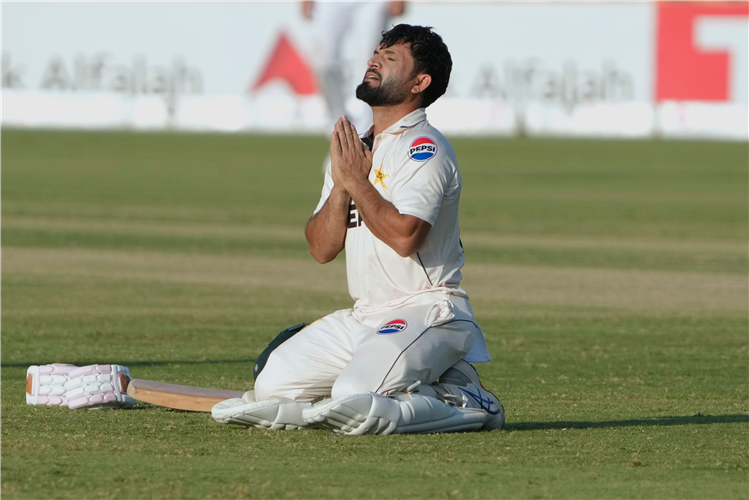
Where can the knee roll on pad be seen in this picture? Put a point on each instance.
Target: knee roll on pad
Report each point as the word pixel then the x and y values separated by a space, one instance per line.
pixel 373 413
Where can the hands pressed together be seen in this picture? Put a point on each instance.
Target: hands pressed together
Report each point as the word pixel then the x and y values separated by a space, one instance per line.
pixel 350 159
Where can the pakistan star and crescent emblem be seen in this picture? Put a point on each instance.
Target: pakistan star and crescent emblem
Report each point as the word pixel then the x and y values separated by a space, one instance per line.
pixel 380 177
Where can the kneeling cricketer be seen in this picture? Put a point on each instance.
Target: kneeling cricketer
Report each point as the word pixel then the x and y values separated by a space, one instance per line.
pixel 398 361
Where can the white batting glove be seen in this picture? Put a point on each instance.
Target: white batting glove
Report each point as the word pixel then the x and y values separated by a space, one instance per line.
pixel 45 384
pixel 92 386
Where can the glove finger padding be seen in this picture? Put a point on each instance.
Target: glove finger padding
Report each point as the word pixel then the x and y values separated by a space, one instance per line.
pixel 92 386
pixel 99 386
pixel 45 384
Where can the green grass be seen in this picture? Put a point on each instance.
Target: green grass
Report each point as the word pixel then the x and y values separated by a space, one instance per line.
pixel 610 279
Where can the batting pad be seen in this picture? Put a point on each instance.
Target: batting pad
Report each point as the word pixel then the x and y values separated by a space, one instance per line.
pixel 275 414
pixel 373 413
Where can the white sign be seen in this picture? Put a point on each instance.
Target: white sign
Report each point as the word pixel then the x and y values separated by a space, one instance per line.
pixel 562 69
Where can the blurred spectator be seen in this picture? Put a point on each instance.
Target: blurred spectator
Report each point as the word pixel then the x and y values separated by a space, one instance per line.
pixel 338 27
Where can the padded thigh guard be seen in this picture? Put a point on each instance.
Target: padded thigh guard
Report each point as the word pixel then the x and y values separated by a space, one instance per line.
pixel 274 414
pixel 373 413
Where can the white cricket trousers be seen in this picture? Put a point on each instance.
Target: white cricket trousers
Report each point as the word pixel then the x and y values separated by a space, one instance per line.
pixel 338 356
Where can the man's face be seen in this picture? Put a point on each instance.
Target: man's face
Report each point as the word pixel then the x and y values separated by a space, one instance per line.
pixel 389 77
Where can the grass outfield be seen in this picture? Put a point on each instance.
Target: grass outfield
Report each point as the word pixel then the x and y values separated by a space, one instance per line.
pixel 610 279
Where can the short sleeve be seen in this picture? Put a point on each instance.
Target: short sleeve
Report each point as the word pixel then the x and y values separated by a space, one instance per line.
pixel 327 187
pixel 422 187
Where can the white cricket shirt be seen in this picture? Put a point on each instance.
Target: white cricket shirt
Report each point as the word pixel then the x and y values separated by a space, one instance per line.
pixel 414 168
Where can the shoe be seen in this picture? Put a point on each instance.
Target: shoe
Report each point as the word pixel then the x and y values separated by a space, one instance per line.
pixel 461 384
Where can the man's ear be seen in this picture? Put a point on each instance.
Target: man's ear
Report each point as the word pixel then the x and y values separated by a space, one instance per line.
pixel 422 82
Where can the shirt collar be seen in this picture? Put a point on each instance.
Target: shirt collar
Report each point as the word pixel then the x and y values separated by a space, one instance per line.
pixel 409 121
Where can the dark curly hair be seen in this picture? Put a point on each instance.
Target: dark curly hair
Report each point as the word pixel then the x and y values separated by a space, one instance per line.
pixel 430 56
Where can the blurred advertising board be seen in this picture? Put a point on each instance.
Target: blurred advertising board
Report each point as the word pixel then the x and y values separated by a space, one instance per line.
pixel 670 69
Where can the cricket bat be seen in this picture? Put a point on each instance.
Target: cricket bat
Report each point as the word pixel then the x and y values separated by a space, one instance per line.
pixel 178 397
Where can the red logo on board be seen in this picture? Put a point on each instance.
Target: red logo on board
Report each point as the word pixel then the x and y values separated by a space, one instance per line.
pixel 685 70
pixel 286 64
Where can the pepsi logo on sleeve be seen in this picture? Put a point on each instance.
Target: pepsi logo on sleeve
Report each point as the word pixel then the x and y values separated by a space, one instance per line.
pixel 395 326
pixel 422 149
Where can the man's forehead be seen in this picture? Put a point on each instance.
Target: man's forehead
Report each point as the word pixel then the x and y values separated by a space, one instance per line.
pixel 396 48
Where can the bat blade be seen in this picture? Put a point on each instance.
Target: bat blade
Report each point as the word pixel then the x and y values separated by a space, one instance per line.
pixel 178 397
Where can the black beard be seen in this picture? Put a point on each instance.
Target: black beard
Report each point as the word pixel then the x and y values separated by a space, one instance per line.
pixel 387 94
